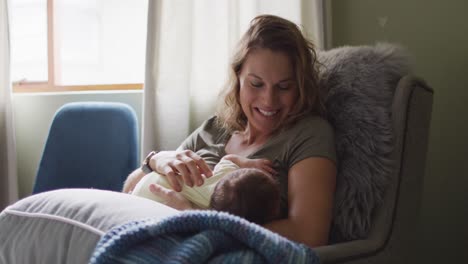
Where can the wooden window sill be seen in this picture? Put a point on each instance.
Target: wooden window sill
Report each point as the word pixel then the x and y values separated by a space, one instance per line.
pixel 44 87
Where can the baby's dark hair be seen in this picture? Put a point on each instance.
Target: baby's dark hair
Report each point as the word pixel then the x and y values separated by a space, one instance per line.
pixel 248 193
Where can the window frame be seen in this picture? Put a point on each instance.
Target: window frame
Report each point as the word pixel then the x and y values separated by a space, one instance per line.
pixel 52 68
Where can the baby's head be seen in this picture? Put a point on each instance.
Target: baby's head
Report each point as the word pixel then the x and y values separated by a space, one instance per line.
pixel 249 193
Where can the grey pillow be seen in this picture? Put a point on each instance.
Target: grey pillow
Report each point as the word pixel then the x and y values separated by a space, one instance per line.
pixel 64 226
pixel 361 81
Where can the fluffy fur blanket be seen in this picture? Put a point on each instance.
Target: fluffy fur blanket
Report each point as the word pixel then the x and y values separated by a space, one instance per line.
pixel 198 237
pixel 360 83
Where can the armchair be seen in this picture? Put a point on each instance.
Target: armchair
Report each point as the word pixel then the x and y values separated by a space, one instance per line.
pixel 385 203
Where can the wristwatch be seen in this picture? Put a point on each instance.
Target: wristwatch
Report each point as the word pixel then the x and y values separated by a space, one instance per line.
pixel 145 166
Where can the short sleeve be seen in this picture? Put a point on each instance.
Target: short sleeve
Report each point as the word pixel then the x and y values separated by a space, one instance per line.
pixel 190 141
pixel 207 141
pixel 194 141
pixel 312 137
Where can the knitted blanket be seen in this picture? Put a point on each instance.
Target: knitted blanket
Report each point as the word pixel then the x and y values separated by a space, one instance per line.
pixel 198 237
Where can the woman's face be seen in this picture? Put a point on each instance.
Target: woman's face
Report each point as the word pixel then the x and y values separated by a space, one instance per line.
pixel 268 90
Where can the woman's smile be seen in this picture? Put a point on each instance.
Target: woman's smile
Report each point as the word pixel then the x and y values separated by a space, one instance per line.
pixel 267 113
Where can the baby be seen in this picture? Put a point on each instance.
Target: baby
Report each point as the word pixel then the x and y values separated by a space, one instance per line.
pixel 237 186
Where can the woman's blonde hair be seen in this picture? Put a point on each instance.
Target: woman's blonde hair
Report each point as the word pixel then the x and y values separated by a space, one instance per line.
pixel 279 35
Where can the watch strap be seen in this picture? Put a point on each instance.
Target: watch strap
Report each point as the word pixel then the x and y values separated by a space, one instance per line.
pixel 145 166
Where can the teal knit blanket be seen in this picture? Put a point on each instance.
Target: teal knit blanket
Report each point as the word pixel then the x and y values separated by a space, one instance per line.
pixel 198 237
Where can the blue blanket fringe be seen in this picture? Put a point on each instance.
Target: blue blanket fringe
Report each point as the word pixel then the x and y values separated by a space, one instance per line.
pixel 198 237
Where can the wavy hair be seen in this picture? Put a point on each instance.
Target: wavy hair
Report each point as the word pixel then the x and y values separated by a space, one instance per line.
pixel 279 35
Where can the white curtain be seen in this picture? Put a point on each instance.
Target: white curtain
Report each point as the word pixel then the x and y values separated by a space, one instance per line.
pixel 188 47
pixel 8 175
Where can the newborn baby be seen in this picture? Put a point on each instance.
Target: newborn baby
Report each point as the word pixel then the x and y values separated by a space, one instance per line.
pixel 237 186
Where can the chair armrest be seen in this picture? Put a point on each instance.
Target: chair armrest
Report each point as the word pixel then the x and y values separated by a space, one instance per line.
pixel 347 251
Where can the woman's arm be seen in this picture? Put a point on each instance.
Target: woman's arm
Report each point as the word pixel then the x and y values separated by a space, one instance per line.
pixel 311 189
pixel 179 166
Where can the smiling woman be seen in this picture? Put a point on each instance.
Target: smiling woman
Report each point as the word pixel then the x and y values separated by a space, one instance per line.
pixel 264 99
pixel 69 45
pixel 270 108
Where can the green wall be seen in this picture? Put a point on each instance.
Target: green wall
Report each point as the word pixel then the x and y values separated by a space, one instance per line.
pixel 436 33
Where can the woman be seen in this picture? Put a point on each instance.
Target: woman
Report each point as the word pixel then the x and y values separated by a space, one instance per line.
pixel 272 109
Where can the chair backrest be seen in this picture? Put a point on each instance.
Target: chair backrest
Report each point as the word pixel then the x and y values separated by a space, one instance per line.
pixel 381 115
pixel 392 234
pixel 89 145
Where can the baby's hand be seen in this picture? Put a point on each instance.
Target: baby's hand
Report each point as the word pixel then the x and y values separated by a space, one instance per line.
pixel 261 164
pixel 171 197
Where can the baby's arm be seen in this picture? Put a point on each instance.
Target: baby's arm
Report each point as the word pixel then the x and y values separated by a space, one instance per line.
pixel 243 162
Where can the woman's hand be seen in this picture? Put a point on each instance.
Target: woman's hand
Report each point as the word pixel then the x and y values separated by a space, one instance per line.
pixel 181 166
pixel 172 198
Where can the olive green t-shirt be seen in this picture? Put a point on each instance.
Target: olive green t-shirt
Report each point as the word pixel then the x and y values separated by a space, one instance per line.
pixel 312 136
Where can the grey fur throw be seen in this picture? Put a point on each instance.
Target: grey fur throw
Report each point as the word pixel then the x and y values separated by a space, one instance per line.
pixel 360 81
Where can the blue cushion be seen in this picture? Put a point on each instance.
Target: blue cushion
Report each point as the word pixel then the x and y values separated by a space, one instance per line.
pixel 90 145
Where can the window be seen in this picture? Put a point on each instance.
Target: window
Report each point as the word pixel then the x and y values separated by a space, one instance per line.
pixel 70 45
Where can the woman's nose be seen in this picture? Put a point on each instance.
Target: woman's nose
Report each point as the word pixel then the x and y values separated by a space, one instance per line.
pixel 269 96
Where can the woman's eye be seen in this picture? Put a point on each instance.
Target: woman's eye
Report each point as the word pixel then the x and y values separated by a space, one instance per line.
pixel 255 84
pixel 283 86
